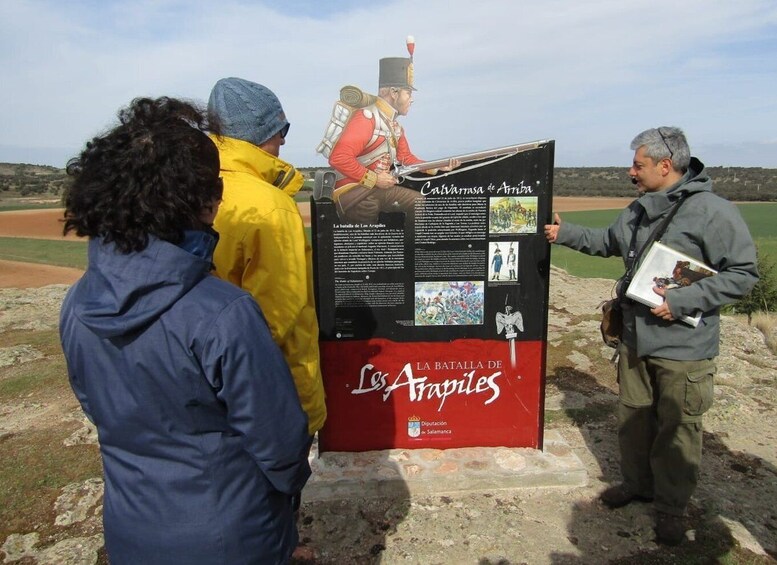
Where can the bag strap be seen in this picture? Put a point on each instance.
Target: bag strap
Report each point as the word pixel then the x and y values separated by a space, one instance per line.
pixel 632 255
pixel 632 259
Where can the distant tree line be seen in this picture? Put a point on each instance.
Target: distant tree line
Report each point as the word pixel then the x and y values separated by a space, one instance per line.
pixel 733 183
pixel 31 180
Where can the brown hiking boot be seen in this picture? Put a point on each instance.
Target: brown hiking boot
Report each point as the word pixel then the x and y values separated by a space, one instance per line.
pixel 618 496
pixel 670 529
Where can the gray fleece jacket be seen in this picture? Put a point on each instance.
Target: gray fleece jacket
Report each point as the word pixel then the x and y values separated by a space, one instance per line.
pixel 707 228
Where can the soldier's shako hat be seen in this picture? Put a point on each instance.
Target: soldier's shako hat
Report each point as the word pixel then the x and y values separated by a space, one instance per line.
pixel 396 72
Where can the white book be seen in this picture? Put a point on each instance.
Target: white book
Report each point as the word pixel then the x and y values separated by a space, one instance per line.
pixel 666 268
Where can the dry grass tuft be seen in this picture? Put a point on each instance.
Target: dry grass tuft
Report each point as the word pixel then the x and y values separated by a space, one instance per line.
pixel 767 324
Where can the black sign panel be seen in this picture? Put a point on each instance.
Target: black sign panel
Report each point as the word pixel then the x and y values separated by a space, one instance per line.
pixel 455 289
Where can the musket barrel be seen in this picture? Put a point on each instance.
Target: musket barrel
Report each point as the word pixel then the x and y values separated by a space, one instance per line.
pixel 404 170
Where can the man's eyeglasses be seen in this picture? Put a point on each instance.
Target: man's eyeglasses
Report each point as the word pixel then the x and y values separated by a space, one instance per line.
pixel 285 130
pixel 671 153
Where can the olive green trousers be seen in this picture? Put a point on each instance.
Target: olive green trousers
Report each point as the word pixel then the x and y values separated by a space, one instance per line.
pixel 660 425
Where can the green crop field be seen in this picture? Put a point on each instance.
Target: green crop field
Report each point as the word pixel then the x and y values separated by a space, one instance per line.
pixel 760 218
pixel 17 206
pixel 48 252
pixel 581 265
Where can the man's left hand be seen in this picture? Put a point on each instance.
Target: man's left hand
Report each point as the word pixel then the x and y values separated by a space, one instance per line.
pixel 662 311
pixel 551 230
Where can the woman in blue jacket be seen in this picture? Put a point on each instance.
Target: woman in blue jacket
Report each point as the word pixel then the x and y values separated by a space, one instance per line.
pixel 202 436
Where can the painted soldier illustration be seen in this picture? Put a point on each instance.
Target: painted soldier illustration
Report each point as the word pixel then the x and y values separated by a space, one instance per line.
pixel 511 263
pixel 364 141
pixel 496 263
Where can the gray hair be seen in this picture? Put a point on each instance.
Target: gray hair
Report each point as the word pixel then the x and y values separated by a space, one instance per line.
pixel 665 142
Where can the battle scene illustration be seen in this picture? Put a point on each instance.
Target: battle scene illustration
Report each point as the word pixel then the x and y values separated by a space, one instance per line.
pixel 448 303
pixel 512 214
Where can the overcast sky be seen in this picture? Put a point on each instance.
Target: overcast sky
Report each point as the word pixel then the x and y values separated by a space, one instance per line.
pixel 588 74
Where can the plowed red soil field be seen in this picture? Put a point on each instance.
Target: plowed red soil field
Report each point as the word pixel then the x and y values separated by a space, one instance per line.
pixel 46 224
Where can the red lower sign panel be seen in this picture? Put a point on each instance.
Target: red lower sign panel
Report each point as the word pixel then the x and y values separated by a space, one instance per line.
pixel 383 394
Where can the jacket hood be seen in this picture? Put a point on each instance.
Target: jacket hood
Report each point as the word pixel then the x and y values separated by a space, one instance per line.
pixel 241 156
pixel 122 293
pixel 694 180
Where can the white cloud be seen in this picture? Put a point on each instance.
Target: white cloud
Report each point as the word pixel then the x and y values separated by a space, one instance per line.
pixel 491 73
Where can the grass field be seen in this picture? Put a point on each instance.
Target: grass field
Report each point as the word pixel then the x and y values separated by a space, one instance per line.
pixel 759 218
pixel 48 252
pixel 18 207
pixel 305 194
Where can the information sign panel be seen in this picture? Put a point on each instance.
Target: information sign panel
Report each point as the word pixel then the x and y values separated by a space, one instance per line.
pixel 433 324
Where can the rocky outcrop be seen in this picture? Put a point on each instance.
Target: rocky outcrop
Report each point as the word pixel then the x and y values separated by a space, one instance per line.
pixel 735 498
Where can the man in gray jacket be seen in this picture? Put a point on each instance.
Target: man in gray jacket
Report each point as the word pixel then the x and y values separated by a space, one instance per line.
pixel 665 366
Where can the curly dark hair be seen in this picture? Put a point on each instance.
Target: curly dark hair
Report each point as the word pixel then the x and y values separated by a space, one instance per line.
pixel 153 174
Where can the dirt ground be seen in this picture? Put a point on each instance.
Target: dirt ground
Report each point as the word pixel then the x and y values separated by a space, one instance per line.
pixel 45 224
pixel 36 224
pixel 14 274
pixel 574 203
pixel 733 510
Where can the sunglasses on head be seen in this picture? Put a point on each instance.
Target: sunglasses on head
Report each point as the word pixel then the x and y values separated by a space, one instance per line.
pixel 671 153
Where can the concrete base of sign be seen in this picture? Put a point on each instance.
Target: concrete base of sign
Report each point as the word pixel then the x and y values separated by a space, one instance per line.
pixel 398 472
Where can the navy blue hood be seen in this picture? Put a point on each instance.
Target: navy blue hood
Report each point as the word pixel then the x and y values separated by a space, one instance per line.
pixel 122 293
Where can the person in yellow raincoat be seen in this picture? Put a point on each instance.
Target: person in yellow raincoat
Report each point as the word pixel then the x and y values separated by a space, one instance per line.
pixel 262 247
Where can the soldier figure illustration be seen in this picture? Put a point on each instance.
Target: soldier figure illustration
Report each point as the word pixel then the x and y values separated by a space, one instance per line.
pixel 364 141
